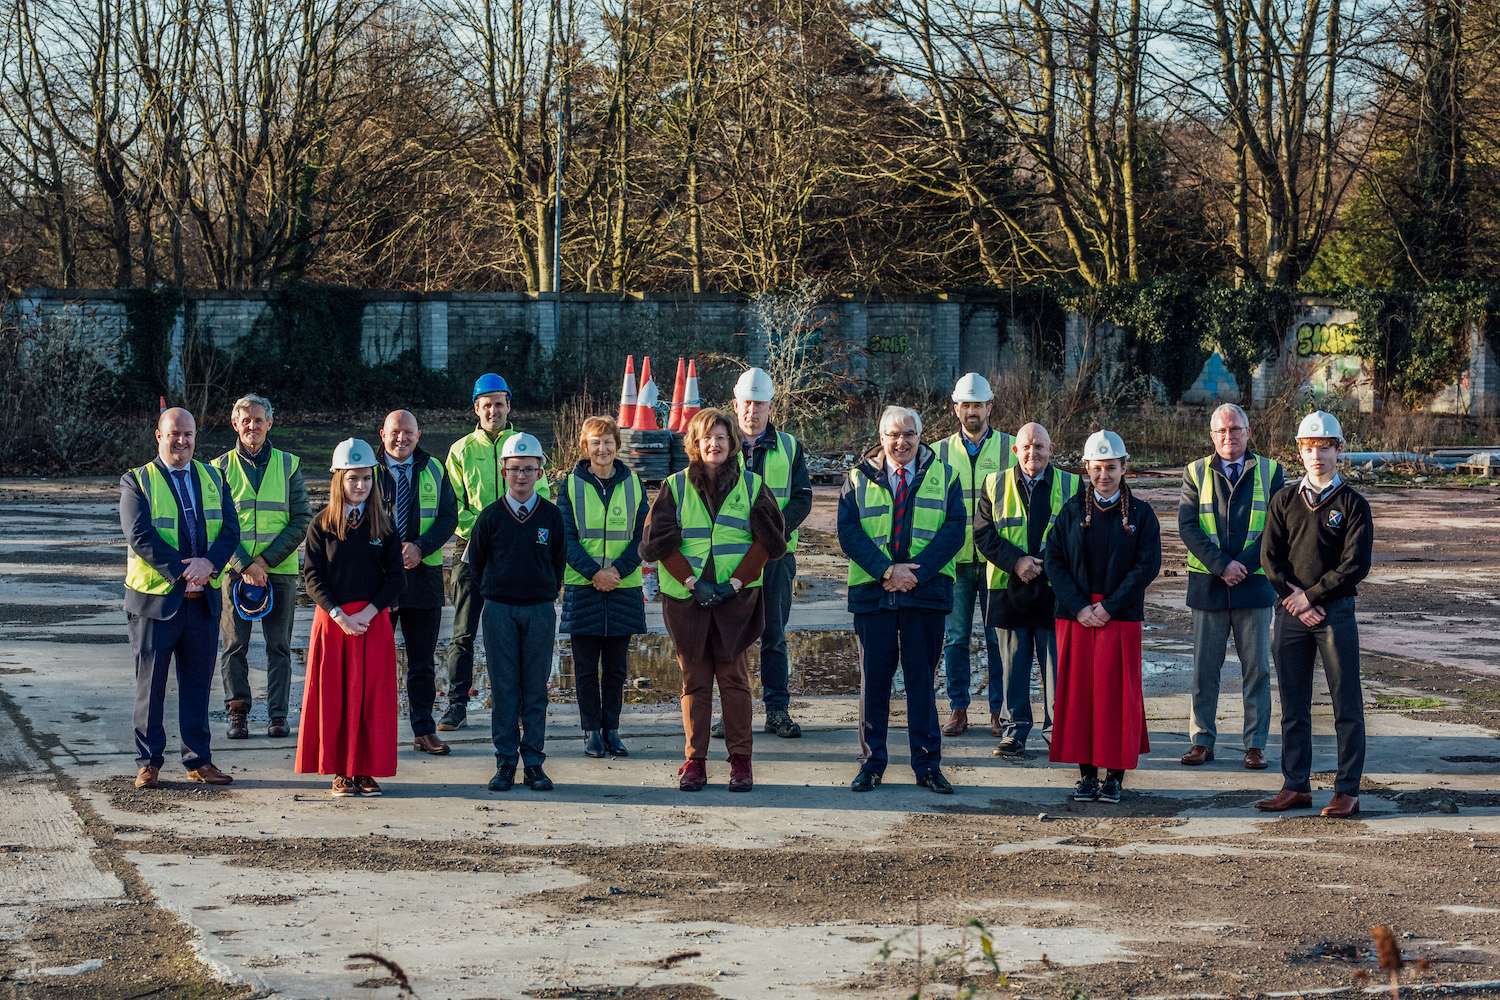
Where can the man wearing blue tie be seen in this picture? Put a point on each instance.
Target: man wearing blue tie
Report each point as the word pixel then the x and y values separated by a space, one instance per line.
pixel 180 529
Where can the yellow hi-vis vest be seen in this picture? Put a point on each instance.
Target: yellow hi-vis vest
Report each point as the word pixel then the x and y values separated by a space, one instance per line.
pixel 778 476
pixel 929 512
pixel 727 536
pixel 474 470
pixel 1202 478
pixel 427 490
pixel 994 455
pixel 1010 516
pixel 605 531
pixel 263 515
pixel 161 498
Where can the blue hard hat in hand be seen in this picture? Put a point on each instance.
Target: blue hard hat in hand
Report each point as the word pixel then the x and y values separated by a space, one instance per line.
pixel 251 603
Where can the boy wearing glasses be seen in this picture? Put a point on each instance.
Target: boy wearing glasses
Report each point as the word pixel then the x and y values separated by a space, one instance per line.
pixel 516 553
pixel 1221 517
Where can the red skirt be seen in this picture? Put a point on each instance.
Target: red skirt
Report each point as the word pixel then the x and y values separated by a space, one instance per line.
pixel 349 699
pixel 1099 715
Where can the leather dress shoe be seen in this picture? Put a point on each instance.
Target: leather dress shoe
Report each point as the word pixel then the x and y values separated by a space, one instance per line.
pixel 148 777
pixel 613 745
pixel 1342 806
pixel 239 721
pixel 278 729
pixel 935 781
pixel 957 723
pixel 1255 759
pixel 997 727
pixel 1199 754
pixel 692 775
pixel 536 779
pixel 209 775
pixel 865 781
pixel 430 744
pixel 504 779
pixel 593 744
pixel 1284 800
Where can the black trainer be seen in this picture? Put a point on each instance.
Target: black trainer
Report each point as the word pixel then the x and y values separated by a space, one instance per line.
pixel 1111 789
pixel 779 721
pixel 1010 747
pixel 457 717
pixel 1087 790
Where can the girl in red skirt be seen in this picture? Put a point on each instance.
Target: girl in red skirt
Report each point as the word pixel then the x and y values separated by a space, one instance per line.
pixel 1104 549
pixel 353 573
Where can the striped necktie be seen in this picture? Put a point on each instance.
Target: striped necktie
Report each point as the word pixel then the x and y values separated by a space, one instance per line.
pixel 190 516
pixel 403 496
pixel 901 490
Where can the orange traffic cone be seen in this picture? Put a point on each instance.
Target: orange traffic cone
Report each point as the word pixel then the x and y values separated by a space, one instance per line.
pixel 674 415
pixel 645 408
pixel 627 394
pixel 691 404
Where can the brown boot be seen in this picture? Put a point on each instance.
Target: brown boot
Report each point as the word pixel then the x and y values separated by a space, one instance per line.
pixel 957 724
pixel 239 720
pixel 740 778
pixel 997 728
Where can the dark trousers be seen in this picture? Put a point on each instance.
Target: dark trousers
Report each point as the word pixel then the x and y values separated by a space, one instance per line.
pixel 775 669
pixel 468 606
pixel 914 637
pixel 419 634
pixel 599 673
pixel 1019 648
pixel 969 586
pixel 191 638
pixel 518 640
pixel 1295 647
pixel 275 628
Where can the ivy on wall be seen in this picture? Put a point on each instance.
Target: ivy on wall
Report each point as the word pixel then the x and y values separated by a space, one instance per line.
pixel 1418 342
pixel 150 314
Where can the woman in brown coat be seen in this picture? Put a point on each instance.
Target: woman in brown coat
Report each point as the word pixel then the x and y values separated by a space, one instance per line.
pixel 712 528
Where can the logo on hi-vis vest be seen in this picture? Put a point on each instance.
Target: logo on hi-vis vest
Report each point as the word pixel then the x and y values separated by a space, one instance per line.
pixel 542 534
pixel 1335 518
pixel 616 510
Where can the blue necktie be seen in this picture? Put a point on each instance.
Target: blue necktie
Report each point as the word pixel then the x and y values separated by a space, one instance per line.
pixel 403 497
pixel 1232 471
pixel 185 495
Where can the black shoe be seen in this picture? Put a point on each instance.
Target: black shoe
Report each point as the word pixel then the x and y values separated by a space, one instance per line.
pixel 1010 747
pixel 613 745
pixel 1110 790
pixel 593 744
pixel 779 721
pixel 717 729
pixel 1087 790
pixel 865 781
pixel 457 717
pixel 278 729
pixel 935 781
pixel 536 779
pixel 504 779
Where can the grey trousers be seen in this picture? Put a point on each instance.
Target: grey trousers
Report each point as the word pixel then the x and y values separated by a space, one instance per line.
pixel 518 641
pixel 1019 649
pixel 1252 643
pixel 275 628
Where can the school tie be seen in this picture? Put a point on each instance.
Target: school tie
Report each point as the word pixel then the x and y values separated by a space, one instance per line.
pixel 523 513
pixel 185 495
pixel 355 516
pixel 901 490
pixel 403 496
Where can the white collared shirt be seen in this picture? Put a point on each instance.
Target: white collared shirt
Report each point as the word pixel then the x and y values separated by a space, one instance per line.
pixel 1106 500
pixel 516 506
pixel 1313 493
pixel 911 472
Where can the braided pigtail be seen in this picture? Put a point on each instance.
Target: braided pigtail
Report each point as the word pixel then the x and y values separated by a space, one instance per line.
pixel 1125 508
pixel 1088 507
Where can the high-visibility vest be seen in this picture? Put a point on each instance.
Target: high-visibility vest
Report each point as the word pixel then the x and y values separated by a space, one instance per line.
pixel 428 492
pixel 605 529
pixel 727 536
pixel 264 513
pixel 161 499
pixel 929 512
pixel 994 456
pixel 1202 478
pixel 778 476
pixel 474 470
pixel 1010 516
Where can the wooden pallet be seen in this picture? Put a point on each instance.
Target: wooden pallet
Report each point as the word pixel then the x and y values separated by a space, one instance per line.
pixel 1479 470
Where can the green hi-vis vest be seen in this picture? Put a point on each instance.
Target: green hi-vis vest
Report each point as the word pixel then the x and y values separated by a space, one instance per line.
pixel 1010 516
pixel 778 476
pixel 427 503
pixel 930 511
pixel 140 576
pixel 727 536
pixel 264 515
pixel 474 470
pixel 605 531
pixel 1202 478
pixel 994 455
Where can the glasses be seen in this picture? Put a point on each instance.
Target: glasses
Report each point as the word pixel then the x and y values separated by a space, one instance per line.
pixel 1226 431
pixel 523 471
pixel 898 435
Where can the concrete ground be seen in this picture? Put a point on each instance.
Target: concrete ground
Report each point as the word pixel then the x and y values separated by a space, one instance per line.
pixel 618 884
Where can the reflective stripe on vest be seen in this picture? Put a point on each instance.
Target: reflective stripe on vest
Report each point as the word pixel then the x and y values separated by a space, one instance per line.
pixel 264 513
pixel 995 455
pixel 929 511
pixel 727 536
pixel 605 529
pixel 1012 524
pixel 1201 476
pixel 778 476
pixel 427 504
pixel 161 499
pixel 474 470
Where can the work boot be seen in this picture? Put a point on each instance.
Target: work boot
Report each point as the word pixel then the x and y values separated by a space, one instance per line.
pixel 239 721
pixel 779 721
pixel 278 728
pixel 693 774
pixel 740 779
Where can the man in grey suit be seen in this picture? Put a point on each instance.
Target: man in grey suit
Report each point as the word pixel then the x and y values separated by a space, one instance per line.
pixel 180 529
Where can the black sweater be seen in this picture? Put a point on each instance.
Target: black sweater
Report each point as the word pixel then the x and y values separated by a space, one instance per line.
pixel 1326 550
pixel 356 569
pixel 518 562
pixel 1133 560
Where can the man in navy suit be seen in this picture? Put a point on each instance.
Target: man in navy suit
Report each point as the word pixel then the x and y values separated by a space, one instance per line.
pixel 180 529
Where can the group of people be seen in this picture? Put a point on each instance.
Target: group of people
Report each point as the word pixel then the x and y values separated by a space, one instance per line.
pixel 1057 564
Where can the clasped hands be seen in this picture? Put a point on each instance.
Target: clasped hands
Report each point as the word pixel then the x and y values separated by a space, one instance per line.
pixel 357 623
pixel 1094 616
pixel 606 579
pixel 902 579
pixel 1298 605
pixel 712 594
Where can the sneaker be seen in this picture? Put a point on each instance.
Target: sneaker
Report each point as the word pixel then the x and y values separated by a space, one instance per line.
pixel 740 778
pixel 457 717
pixel 344 787
pixel 1087 790
pixel 1010 747
pixel 717 729
pixel 693 774
pixel 779 721
pixel 366 784
pixel 1110 790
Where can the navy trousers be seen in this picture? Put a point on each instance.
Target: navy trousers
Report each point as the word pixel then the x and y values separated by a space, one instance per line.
pixel 1296 648
pixel 912 637
pixel 518 642
pixel 775 669
pixel 191 639
pixel 419 634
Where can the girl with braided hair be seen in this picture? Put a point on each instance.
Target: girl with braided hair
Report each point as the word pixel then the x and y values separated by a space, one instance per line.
pixel 1104 550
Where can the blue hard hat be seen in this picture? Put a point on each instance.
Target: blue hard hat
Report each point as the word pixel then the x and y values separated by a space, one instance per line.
pixel 489 382
pixel 251 603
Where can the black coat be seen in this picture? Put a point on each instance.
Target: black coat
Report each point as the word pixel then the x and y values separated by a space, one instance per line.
pixel 1134 558
pixel 424 584
pixel 1208 591
pixel 586 611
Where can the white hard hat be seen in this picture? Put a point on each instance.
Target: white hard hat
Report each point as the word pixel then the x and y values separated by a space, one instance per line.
pixel 973 388
pixel 754 386
pixel 352 453
pixel 1104 445
pixel 1319 424
pixel 522 446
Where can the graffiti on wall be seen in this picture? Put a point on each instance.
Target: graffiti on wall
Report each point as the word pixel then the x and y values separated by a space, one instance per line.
pixel 1323 338
pixel 889 345
pixel 1319 358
